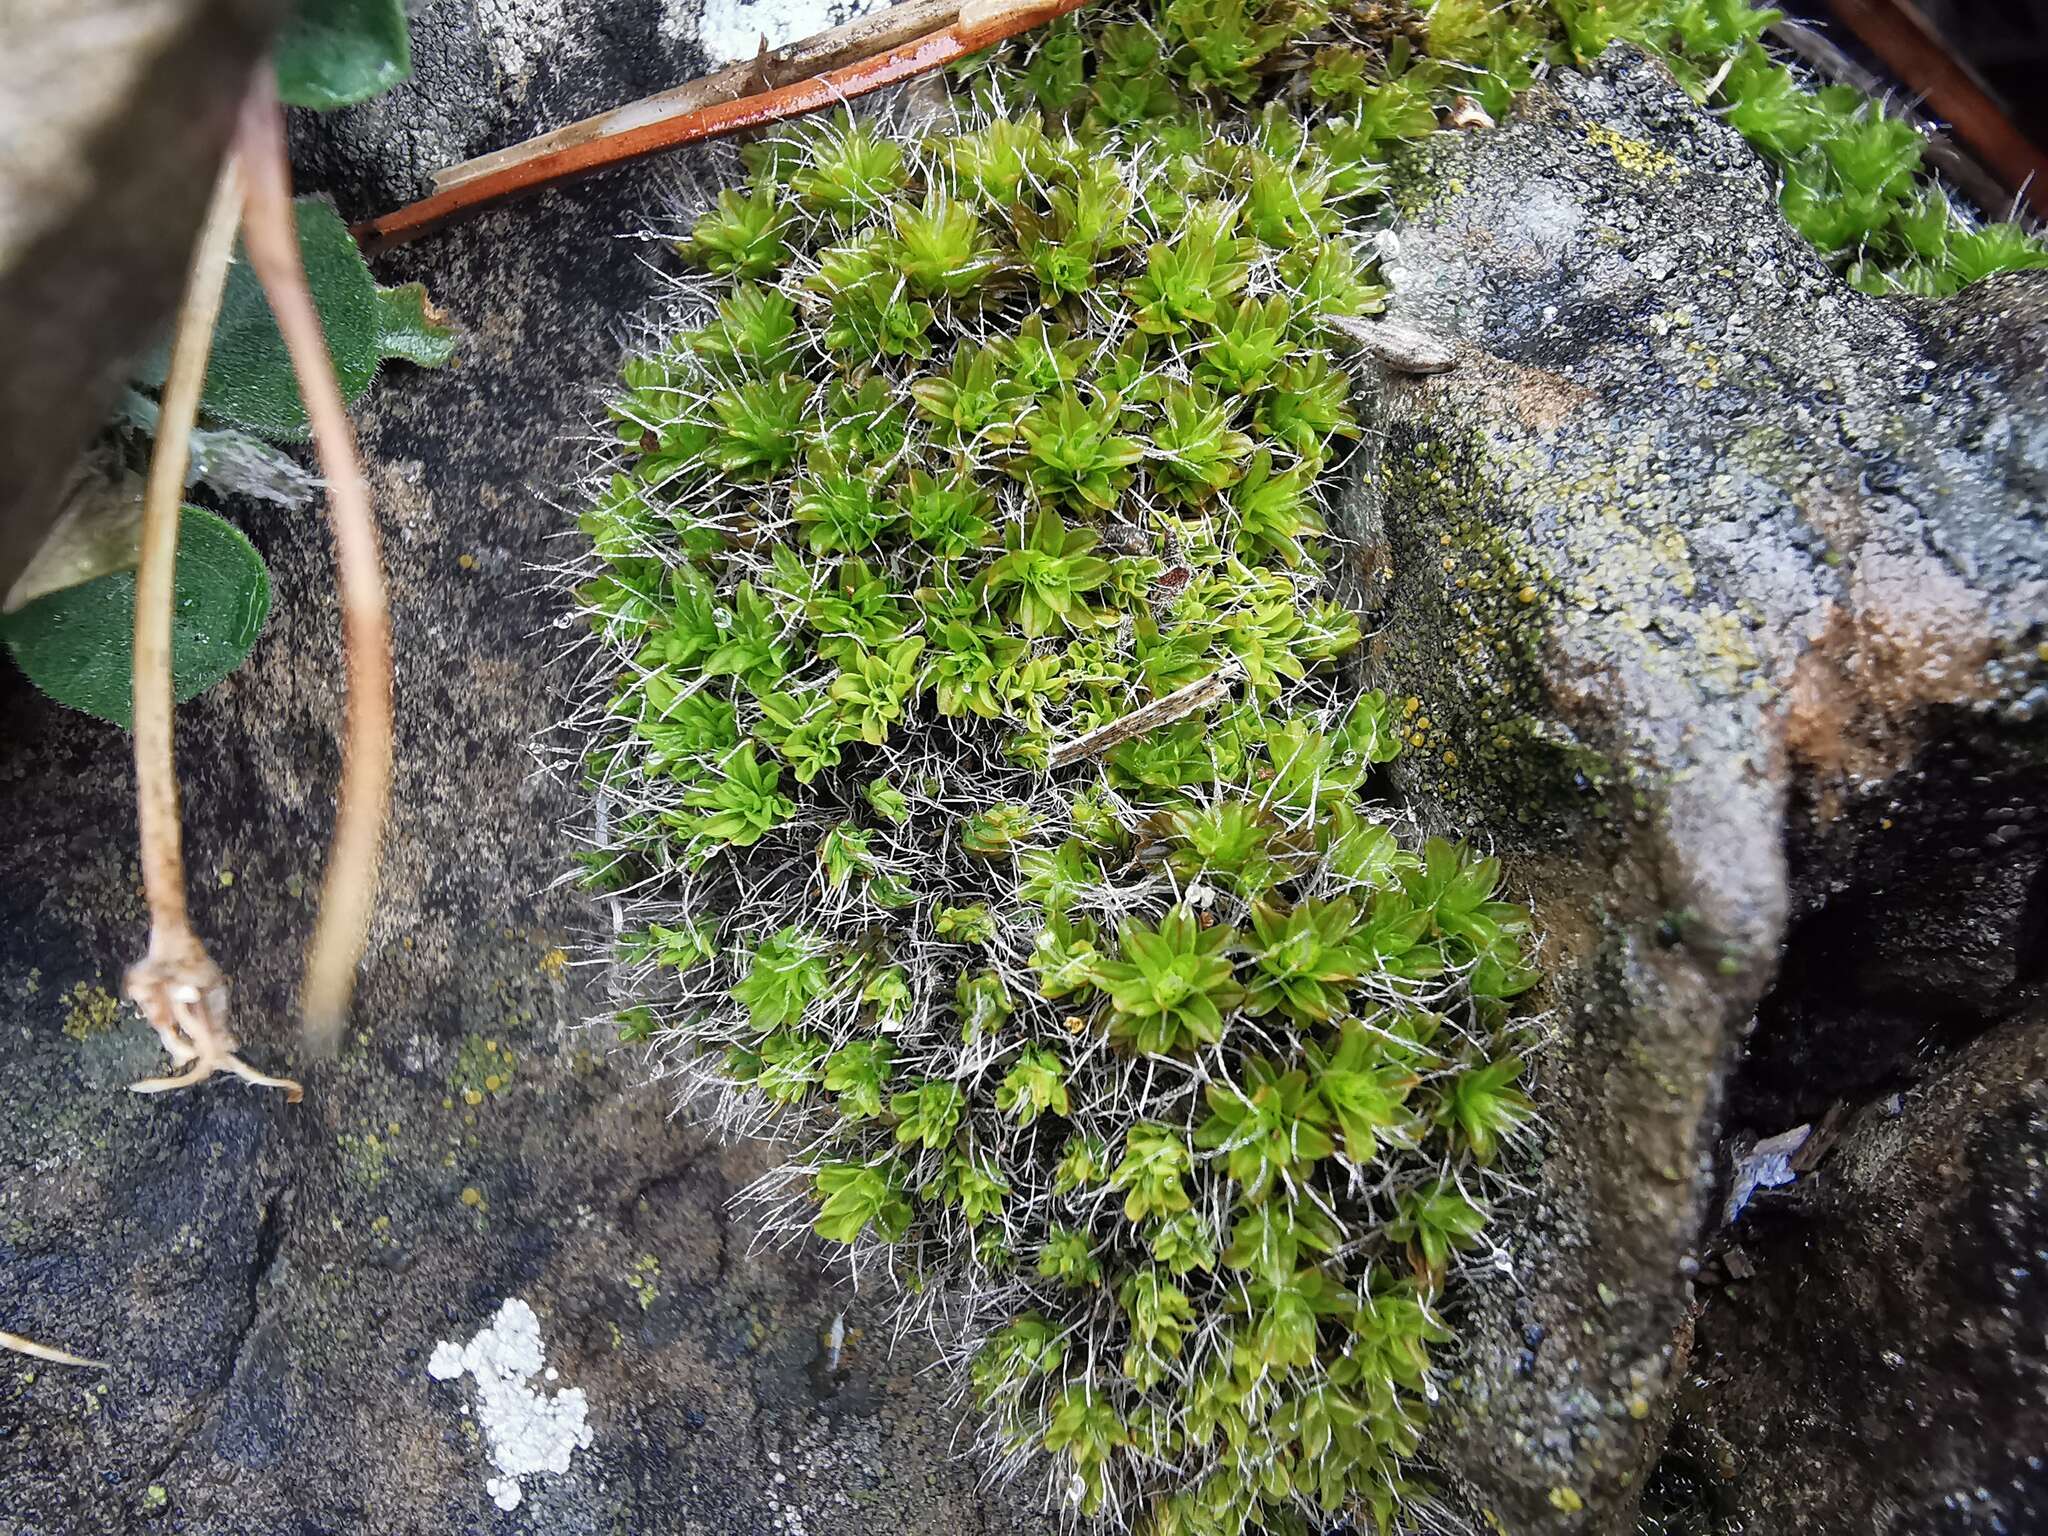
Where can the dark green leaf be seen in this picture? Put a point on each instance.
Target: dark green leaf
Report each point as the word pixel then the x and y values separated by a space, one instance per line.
pixel 249 380
pixel 78 645
pixel 335 53
pixel 249 377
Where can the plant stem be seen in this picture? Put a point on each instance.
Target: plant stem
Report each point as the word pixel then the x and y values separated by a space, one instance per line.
pixel 176 984
pixel 712 107
pixel 272 241
pixel 1177 705
pixel 156 774
pixel 35 1351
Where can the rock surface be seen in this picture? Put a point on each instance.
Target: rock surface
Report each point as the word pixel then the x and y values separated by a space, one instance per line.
pixel 1698 575
pixel 1875 1359
pixel 113 114
pixel 1718 591
pixel 269 1282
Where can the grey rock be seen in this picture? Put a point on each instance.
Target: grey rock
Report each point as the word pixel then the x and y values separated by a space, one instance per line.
pixel 113 117
pixel 269 1281
pixel 488 73
pixel 1714 591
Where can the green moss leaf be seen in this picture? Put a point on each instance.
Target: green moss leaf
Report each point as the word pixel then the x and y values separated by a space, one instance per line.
pixel 78 645
pixel 335 53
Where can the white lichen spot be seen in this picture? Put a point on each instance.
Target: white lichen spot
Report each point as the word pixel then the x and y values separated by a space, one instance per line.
pixel 527 1433
pixel 520 33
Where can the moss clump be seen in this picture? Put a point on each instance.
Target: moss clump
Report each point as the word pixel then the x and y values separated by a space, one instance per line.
pixel 1851 179
pixel 1169 1077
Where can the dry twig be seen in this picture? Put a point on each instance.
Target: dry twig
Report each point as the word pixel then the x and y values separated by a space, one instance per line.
pixel 885 51
pixel 176 984
pixel 1177 705
pixel 272 242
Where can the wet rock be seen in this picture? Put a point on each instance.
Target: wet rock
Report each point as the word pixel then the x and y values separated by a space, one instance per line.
pixel 1883 1367
pixel 1697 578
pixel 269 1282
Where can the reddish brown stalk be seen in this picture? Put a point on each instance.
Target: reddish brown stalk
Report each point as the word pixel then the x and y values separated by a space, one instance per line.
pixel 272 240
pixel 691 114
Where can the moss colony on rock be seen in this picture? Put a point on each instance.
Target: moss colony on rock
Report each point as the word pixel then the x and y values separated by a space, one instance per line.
pixel 1166 1072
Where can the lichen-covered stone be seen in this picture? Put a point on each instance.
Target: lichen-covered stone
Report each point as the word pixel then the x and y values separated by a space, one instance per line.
pixel 1685 570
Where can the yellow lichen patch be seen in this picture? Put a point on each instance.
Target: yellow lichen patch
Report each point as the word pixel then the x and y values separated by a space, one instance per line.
pixel 366 1157
pixel 93 1011
pixel 554 963
pixel 1632 155
pixel 641 1278
pixel 483 1069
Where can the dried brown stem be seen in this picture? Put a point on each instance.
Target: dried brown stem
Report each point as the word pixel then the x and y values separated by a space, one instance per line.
pixel 35 1351
pixel 179 989
pixel 1177 705
pixel 272 241
pixel 884 52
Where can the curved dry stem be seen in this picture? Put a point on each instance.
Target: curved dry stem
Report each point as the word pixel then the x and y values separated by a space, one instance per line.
pixel 35 1351
pixel 179 989
pixel 350 885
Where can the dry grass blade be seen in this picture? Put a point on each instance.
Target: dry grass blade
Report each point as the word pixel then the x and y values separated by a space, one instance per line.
pixel 350 886
pixel 708 109
pixel 35 1351
pixel 1177 705
pixel 176 984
